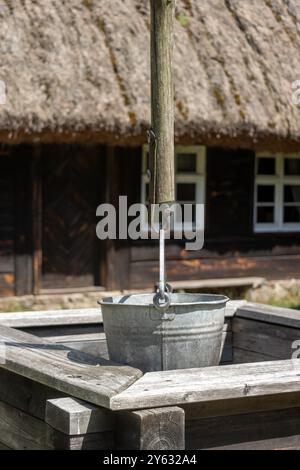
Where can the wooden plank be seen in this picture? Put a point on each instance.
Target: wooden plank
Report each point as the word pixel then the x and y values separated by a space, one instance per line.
pixel 79 338
pixel 69 332
pixel 37 213
pixel 25 394
pixel 279 443
pixel 51 317
pixel 207 384
pixel 95 441
pixel 80 316
pixel 73 290
pixel 265 338
pixel 75 417
pixel 194 411
pixel 217 283
pixel 72 372
pixel 20 431
pixel 243 429
pixel 230 247
pixel 153 429
pixel 23 258
pixel 269 314
pixel 243 356
pixel 94 348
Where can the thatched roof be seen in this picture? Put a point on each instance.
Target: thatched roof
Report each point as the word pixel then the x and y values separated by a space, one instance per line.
pixel 80 69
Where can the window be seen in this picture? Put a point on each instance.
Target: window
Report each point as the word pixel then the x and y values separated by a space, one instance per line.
pixel 189 175
pixel 277 193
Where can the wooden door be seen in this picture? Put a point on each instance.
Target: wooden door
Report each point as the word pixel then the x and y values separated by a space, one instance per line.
pixel 71 183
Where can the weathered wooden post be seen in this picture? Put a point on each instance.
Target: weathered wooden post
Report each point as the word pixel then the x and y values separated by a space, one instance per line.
pixel 161 135
pixel 162 186
pixel 134 321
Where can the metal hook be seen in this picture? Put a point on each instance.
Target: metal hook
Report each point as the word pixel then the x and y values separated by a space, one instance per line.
pixel 162 299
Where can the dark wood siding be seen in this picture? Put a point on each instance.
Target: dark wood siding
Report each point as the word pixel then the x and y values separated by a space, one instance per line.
pixel 15 221
pixel 123 177
pixel 7 224
pixel 72 179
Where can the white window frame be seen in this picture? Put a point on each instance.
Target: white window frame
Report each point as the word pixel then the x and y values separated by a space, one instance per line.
pixel 279 180
pixel 198 177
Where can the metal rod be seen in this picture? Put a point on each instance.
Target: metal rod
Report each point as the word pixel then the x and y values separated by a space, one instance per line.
pixel 162 265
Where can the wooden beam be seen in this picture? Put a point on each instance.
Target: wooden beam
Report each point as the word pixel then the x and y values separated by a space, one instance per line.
pixel 116 266
pixel 75 417
pixel 64 369
pixel 57 440
pixel 218 283
pixel 162 185
pixel 25 394
pixel 244 405
pixel 153 429
pixel 45 318
pixel 37 207
pixel 179 387
pixel 78 316
pixel 23 249
pixel 20 431
pixel 255 430
pixel 269 314
pixel 268 339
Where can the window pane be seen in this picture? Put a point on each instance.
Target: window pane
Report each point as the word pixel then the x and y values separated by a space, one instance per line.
pixel 292 214
pixel 292 193
pixel 265 215
pixel 186 192
pixel 266 166
pixel 186 162
pixel 265 193
pixel 292 166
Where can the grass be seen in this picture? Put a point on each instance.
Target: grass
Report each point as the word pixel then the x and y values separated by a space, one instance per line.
pixel 290 300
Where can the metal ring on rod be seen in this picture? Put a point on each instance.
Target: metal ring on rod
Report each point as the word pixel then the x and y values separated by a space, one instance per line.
pixel 160 303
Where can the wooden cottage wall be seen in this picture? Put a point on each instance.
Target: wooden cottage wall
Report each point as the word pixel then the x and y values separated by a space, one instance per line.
pixel 231 248
pixel 7 225
pixel 15 221
pixel 123 177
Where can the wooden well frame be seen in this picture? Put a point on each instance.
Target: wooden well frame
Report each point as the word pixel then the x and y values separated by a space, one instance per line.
pixel 58 390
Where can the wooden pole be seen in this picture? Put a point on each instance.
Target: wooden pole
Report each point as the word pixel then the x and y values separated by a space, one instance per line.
pixel 162 186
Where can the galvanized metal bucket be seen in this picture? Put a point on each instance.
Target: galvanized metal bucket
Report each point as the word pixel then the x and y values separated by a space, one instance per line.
pixel 187 334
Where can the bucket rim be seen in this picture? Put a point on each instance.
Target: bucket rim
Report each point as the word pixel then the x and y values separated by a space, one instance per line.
pixel 208 300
